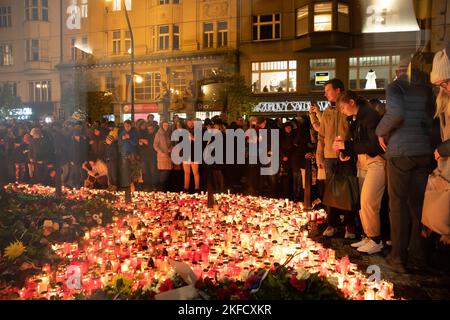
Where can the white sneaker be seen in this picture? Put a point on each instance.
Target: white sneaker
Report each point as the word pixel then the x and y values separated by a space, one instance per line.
pixel 360 243
pixel 371 247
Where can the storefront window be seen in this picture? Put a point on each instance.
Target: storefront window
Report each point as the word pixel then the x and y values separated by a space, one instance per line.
pixel 370 73
pixel 320 71
pixel 274 76
pixel 202 115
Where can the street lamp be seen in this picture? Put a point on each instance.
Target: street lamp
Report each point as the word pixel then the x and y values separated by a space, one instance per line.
pixel 131 57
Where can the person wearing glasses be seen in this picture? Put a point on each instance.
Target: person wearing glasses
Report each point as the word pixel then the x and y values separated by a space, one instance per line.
pixel 440 77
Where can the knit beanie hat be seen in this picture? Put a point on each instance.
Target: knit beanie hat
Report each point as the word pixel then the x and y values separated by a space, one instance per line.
pixel 441 67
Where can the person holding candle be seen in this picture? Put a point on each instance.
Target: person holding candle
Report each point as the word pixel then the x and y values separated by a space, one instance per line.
pixel 333 124
pixel 362 142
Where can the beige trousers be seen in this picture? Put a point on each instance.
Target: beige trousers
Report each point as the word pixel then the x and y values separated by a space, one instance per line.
pixel 372 181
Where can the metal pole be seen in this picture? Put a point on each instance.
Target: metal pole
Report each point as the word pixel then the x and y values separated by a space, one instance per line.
pixel 128 189
pixel 132 59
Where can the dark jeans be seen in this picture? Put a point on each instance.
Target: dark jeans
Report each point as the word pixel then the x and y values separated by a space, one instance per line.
pixel 149 172
pixel 112 172
pixel 163 177
pixel 407 180
pixel 125 171
pixel 253 181
pixel 297 187
pixel 334 213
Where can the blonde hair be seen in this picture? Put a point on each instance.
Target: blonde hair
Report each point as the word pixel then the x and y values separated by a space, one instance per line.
pixel 442 103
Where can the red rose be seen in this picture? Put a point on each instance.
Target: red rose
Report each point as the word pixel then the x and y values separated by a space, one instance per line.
pixel 166 286
pixel 299 285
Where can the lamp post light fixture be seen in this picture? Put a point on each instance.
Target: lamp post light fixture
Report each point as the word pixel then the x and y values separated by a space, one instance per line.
pixel 132 60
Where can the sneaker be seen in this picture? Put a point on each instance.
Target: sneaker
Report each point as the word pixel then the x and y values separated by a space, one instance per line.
pixel 360 243
pixel 349 233
pixel 371 247
pixel 329 232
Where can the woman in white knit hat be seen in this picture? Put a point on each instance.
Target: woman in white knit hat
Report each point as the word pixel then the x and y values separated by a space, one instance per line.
pixel 440 77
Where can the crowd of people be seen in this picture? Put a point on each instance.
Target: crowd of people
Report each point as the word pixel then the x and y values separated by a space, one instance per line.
pixel 390 148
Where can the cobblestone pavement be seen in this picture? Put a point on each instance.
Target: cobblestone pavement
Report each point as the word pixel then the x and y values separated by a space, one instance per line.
pixel 430 284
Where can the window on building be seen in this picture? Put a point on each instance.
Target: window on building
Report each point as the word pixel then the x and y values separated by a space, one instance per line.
pixel 164 37
pixel 178 82
pixel 10 86
pixel 302 21
pixel 40 91
pixel 274 76
pixel 369 73
pixel 84 8
pixel 5 17
pixel 117 42
pixel 6 56
pixel 32 47
pixel 32 9
pixel 320 71
pixel 222 34
pixel 84 46
pixel 117 5
pixel 176 37
pixel 343 17
pixel 73 49
pixel 36 10
pixel 44 10
pixel 267 27
pixel 110 84
pixel 207 73
pixel 208 35
pixel 323 13
pixel 150 88
pixel 127 41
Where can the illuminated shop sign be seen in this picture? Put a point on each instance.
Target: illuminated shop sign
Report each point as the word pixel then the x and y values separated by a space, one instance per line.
pixel 388 16
pixel 295 106
pixel 321 78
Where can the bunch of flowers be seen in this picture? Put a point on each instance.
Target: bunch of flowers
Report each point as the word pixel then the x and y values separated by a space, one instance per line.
pixel 278 283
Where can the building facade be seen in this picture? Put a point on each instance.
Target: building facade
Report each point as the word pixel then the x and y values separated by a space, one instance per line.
pixel 289 48
pixel 29 53
pixel 51 50
pixel 177 44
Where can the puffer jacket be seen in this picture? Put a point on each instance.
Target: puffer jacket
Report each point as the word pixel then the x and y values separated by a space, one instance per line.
pixel 407 124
